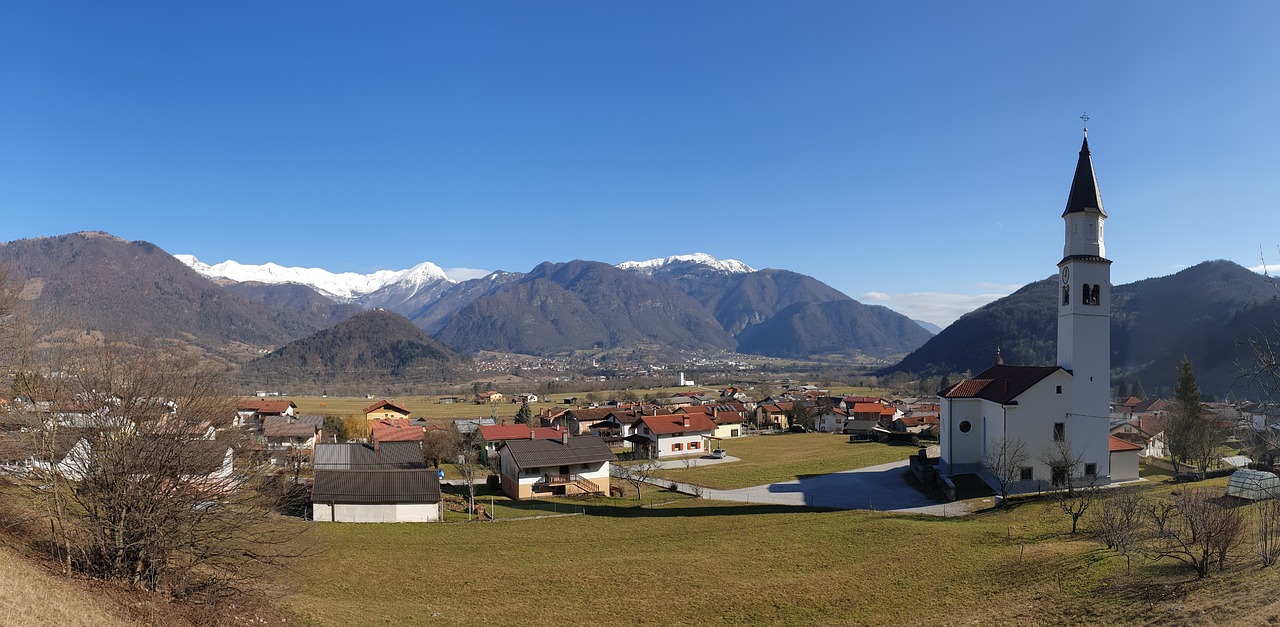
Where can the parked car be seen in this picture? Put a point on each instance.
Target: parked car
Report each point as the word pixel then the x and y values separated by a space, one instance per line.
pixel 718 454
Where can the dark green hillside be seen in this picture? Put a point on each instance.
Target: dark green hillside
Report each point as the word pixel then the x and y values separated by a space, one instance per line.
pixel 1203 311
pixel 370 348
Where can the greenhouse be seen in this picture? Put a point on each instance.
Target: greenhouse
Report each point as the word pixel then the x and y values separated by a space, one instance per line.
pixel 1254 485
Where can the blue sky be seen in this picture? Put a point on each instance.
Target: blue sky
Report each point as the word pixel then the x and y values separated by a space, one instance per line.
pixel 913 154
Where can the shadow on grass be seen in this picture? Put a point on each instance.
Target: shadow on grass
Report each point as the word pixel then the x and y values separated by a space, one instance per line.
pixel 636 511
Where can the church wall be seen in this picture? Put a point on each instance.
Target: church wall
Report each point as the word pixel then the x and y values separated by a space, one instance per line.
pixel 1031 420
pixel 960 451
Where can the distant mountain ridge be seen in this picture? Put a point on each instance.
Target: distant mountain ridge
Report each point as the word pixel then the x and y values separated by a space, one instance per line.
pixel 1205 311
pixel 97 283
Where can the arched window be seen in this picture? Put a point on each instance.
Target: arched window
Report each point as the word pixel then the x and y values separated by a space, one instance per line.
pixel 1084 294
pixel 1066 294
pixel 1097 294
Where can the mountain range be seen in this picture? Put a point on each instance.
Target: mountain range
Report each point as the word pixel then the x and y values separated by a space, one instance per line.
pixel 100 285
pixel 1208 312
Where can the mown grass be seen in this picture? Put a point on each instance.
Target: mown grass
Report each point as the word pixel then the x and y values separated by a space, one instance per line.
pixel 692 561
pixel 785 457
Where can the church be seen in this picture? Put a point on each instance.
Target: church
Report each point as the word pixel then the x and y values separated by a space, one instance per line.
pixel 1049 409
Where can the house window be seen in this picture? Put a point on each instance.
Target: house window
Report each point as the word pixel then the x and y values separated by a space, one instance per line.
pixel 965 426
pixel 676 446
pixel 1059 432
pixel 693 446
pixel 1090 470
pixel 1026 473
pixel 1059 475
pixel 1059 389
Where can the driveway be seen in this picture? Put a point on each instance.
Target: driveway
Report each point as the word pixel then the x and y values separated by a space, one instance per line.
pixel 881 488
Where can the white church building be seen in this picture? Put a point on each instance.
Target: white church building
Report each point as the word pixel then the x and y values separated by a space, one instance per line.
pixel 1048 408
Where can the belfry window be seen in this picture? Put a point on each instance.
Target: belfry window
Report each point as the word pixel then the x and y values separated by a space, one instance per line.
pixel 1097 294
pixel 1084 294
pixel 1066 294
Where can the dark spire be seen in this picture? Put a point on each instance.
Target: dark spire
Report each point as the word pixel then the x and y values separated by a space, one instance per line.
pixel 1084 196
pixel 999 359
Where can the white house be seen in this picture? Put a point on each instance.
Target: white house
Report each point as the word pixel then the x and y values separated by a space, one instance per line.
pixel 672 435
pixel 1048 408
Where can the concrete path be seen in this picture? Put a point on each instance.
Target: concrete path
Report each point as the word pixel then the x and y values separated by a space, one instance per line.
pixel 694 462
pixel 881 488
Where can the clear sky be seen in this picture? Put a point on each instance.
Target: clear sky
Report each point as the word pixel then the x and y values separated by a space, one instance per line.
pixel 913 154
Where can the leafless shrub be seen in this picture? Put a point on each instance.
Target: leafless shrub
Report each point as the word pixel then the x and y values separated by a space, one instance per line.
pixel 1199 531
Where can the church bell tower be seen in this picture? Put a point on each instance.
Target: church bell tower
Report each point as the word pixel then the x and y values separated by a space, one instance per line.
pixel 1084 295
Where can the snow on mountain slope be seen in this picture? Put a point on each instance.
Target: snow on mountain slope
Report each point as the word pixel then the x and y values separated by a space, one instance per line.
pixel 345 286
pixel 727 266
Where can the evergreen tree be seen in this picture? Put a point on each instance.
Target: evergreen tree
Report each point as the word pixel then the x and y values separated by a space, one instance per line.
pixel 1184 419
pixel 524 415
pixel 1136 390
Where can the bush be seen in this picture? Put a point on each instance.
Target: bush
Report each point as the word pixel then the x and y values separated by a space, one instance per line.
pixel 493 481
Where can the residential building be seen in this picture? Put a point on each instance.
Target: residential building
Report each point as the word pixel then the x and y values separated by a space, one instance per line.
pixel 565 466
pixel 673 435
pixel 362 496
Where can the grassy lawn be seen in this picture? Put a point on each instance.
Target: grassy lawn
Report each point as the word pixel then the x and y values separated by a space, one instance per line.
pixel 774 458
pixel 735 564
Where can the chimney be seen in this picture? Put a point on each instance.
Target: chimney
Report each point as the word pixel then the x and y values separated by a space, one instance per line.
pixel 564 438
pixel 686 421
pixel 531 432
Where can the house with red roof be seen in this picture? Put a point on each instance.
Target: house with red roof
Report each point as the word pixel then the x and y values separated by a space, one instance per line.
pixel 1124 459
pixel 251 412
pixel 728 417
pixel 395 430
pixel 673 435
pixel 491 436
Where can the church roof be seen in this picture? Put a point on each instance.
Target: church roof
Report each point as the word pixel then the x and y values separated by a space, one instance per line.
pixel 1000 383
pixel 1084 197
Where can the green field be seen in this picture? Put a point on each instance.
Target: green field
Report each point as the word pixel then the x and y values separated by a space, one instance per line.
pixel 697 562
pixel 784 457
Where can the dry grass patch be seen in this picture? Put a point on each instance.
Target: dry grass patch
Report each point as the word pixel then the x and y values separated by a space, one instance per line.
pixel 31 596
pixel 786 457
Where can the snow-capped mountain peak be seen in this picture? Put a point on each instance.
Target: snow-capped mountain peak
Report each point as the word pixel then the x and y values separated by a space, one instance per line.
pixel 344 286
pixel 727 266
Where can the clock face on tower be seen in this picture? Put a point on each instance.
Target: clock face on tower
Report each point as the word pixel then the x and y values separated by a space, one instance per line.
pixel 1066 276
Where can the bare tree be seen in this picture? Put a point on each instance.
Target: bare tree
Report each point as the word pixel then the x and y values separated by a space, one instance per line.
pixel 149 495
pixel 470 465
pixel 1268 531
pixel 439 445
pixel 1005 461
pixel 1120 522
pixel 1075 490
pixel 1199 532
pixel 636 474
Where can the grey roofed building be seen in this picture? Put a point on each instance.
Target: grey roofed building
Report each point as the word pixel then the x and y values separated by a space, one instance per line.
pixel 583 449
pixel 291 427
pixel 376 486
pixel 467 425
pixel 384 456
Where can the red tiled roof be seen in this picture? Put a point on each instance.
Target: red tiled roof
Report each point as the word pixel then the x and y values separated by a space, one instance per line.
pixel 385 404
pixel 1120 445
pixel 495 433
pixel 265 407
pixel 870 408
pixel 674 423
pixel 397 430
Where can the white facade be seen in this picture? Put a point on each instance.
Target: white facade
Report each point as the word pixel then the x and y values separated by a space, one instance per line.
pixel 376 513
pixel 1068 406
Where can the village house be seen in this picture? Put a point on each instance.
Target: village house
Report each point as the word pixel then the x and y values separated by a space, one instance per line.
pixel 673 435
pixel 488 396
pixel 396 430
pixel 565 466
pixel 773 415
pixel 250 413
pixel 492 436
pixel 728 418
pixel 370 496
pixel 284 432
pixel 359 456
pixel 385 410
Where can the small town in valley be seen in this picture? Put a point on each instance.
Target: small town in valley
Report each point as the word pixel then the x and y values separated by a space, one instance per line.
pixel 935 395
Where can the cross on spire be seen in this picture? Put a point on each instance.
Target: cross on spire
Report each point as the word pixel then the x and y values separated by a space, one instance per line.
pixel 1084 117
